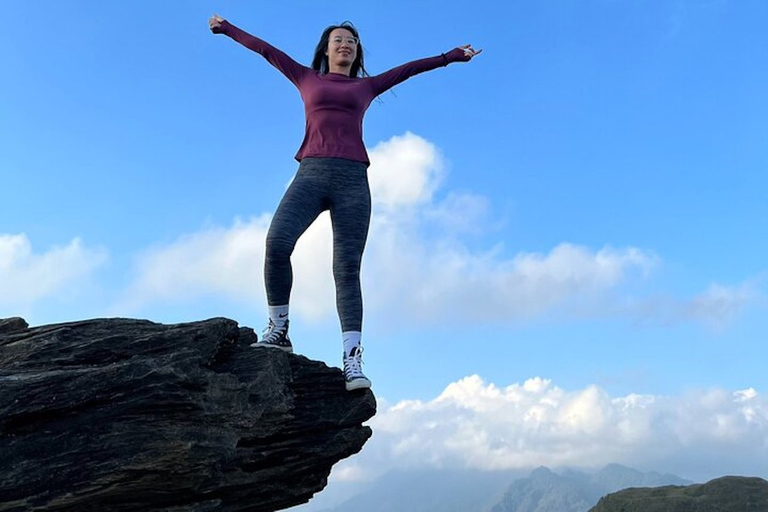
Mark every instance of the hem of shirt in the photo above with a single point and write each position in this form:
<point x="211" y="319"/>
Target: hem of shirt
<point x="300" y="157"/>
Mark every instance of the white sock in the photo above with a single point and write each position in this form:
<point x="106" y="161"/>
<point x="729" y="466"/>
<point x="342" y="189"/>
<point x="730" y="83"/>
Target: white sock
<point x="278" y="315"/>
<point x="350" y="339"/>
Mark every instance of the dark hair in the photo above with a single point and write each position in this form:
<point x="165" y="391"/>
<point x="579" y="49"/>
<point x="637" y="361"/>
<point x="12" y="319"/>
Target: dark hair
<point x="320" y="60"/>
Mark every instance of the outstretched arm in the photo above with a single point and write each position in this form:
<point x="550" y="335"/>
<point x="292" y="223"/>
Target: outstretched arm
<point x="285" y="64"/>
<point x="394" y="76"/>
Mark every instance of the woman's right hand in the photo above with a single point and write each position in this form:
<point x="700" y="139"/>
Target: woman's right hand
<point x="214" y="23"/>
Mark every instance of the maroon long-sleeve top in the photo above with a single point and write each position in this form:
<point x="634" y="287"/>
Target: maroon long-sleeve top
<point x="334" y="104"/>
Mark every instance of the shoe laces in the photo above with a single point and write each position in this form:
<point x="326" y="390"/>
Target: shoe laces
<point x="353" y="363"/>
<point x="272" y="333"/>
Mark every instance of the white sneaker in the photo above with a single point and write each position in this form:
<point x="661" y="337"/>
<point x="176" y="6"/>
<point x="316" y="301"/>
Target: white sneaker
<point x="275" y="337"/>
<point x="353" y="372"/>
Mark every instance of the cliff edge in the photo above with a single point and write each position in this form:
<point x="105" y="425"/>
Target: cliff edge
<point x="124" y="414"/>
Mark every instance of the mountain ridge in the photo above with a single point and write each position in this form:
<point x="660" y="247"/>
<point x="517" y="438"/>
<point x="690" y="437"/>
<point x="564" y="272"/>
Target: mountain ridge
<point x="537" y="490"/>
<point x="724" y="494"/>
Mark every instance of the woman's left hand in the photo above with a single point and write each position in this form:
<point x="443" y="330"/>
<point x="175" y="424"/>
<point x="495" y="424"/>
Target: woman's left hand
<point x="470" y="52"/>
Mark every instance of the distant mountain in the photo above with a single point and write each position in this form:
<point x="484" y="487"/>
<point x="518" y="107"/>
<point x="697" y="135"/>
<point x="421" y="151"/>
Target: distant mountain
<point x="545" y="491"/>
<point x="481" y="491"/>
<point x="574" y="491"/>
<point x="726" y="494"/>
<point x="615" y="476"/>
<point x="431" y="491"/>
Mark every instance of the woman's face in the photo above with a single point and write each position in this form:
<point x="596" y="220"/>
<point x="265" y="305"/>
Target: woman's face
<point x="342" y="47"/>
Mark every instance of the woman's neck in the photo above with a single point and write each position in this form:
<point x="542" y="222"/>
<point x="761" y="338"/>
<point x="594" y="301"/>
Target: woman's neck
<point x="341" y="70"/>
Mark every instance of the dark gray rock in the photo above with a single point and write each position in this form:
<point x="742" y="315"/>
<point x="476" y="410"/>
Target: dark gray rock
<point x="12" y="325"/>
<point x="122" y="414"/>
<point x="726" y="494"/>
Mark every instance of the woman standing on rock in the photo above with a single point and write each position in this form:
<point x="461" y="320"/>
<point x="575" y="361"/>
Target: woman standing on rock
<point x="332" y="173"/>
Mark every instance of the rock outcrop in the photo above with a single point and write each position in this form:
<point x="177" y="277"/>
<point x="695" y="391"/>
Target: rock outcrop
<point x="122" y="414"/>
<point x="726" y="494"/>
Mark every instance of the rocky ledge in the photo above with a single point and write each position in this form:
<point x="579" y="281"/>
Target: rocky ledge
<point x="123" y="414"/>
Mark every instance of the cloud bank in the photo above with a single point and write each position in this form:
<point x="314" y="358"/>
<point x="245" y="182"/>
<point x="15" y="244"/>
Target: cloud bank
<point x="478" y="425"/>
<point x="417" y="265"/>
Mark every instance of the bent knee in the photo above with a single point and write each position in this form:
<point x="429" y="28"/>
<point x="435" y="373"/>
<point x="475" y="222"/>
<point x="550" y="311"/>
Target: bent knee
<point x="279" y="247"/>
<point x="346" y="271"/>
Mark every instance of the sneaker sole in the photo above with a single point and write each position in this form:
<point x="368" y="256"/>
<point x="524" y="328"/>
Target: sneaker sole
<point x="278" y="347"/>
<point x="358" y="384"/>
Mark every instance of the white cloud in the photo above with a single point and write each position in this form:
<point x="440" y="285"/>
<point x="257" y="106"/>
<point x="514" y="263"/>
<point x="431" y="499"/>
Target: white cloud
<point x="462" y="213"/>
<point x="474" y="424"/>
<point x="26" y="276"/>
<point x="437" y="281"/>
<point x="410" y="273"/>
<point x="716" y="307"/>
<point x="229" y="262"/>
<point x="404" y="171"/>
<point x="216" y="260"/>
<point x="720" y="304"/>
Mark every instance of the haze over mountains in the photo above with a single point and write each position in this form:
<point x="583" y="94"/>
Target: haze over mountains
<point x="541" y="490"/>
<point x="575" y="491"/>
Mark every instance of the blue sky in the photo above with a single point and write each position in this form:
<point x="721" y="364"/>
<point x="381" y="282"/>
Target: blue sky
<point x="584" y="203"/>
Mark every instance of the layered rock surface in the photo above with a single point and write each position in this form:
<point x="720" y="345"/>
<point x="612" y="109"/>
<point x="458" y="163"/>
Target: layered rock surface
<point x="123" y="414"/>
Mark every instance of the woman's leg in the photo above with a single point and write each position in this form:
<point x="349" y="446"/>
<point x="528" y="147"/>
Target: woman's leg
<point x="350" y="216"/>
<point x="302" y="203"/>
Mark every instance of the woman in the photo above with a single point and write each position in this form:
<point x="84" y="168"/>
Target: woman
<point x="332" y="174"/>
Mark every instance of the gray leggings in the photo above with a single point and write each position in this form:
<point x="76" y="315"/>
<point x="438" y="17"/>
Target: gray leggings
<point x="334" y="184"/>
